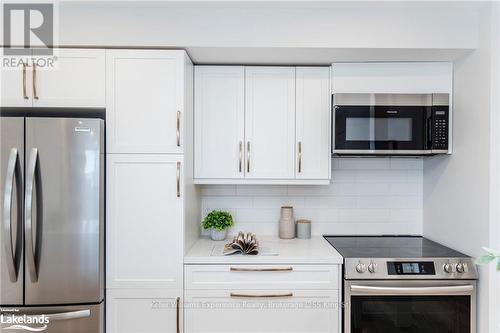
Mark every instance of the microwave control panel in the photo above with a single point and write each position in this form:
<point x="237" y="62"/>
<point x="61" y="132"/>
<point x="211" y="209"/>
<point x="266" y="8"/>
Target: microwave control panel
<point x="440" y="124"/>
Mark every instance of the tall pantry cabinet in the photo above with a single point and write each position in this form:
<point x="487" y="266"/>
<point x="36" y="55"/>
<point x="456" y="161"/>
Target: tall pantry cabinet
<point x="149" y="181"/>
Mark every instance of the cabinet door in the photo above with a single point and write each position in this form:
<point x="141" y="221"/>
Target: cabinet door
<point x="270" y="122"/>
<point x="143" y="311"/>
<point x="313" y="123"/>
<point x="241" y="311"/>
<point x="219" y="121"/>
<point x="144" y="101"/>
<point x="15" y="84"/>
<point x="144" y="221"/>
<point x="76" y="80"/>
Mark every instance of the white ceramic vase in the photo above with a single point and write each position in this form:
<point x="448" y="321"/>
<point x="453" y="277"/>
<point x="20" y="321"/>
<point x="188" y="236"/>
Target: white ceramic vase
<point x="287" y="223"/>
<point x="217" y="235"/>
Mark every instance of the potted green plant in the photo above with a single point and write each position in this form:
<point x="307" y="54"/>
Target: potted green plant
<point x="218" y="222"/>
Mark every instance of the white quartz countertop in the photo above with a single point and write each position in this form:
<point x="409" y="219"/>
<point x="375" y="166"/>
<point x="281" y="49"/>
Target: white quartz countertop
<point x="291" y="251"/>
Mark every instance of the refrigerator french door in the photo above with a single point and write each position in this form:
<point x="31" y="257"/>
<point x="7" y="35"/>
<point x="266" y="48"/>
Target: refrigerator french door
<point x="52" y="230"/>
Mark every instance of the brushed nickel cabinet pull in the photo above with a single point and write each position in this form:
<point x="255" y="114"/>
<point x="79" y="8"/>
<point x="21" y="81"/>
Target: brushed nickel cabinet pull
<point x="248" y="156"/>
<point x="178" y="179"/>
<point x="238" y="295"/>
<point x="240" y="164"/>
<point x="178" y="128"/>
<point x="25" y="95"/>
<point x="178" y="314"/>
<point x="270" y="269"/>
<point x="35" y="95"/>
<point x="300" y="156"/>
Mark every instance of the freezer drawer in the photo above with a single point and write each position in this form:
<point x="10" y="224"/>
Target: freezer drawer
<point x="63" y="319"/>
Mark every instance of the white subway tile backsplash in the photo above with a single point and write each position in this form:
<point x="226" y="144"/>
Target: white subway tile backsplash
<point x="214" y="190"/>
<point x="365" y="196"/>
<point x="257" y="190"/>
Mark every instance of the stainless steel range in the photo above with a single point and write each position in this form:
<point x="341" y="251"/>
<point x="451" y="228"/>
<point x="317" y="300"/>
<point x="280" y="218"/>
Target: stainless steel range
<point x="405" y="284"/>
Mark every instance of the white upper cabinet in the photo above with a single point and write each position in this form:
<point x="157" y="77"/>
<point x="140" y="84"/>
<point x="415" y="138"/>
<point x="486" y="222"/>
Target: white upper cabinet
<point x="313" y="127"/>
<point x="270" y="122"/>
<point x="145" y="100"/>
<point x="395" y="77"/>
<point x="262" y="125"/>
<point x="144" y="221"/>
<point x="77" y="80"/>
<point x="219" y="121"/>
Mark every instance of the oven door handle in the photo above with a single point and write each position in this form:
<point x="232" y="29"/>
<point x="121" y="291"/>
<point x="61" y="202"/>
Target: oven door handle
<point x="412" y="290"/>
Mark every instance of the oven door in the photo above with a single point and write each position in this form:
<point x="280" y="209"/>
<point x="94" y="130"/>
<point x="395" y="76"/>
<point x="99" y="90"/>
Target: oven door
<point x="375" y="129"/>
<point x="409" y="306"/>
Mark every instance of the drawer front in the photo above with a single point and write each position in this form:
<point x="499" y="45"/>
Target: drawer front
<point x="295" y="311"/>
<point x="236" y="277"/>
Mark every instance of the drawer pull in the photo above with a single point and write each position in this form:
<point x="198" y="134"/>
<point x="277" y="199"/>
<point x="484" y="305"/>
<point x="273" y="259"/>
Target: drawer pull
<point x="237" y="295"/>
<point x="238" y="269"/>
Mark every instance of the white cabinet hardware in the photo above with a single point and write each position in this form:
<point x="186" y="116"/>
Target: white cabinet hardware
<point x="178" y="179"/>
<point x="261" y="269"/>
<point x="25" y="96"/>
<point x="277" y="295"/>
<point x="178" y="127"/>
<point x="35" y="95"/>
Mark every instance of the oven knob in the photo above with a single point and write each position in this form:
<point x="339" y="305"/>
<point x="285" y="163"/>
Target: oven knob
<point x="360" y="268"/>
<point x="372" y="268"/>
<point x="462" y="268"/>
<point x="448" y="268"/>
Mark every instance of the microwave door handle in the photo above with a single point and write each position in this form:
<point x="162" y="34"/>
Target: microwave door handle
<point x="429" y="133"/>
<point x="412" y="290"/>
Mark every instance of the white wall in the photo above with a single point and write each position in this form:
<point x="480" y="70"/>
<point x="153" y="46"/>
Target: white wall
<point x="457" y="198"/>
<point x="281" y="25"/>
<point x="494" y="287"/>
<point x="366" y="196"/>
<point x="278" y="32"/>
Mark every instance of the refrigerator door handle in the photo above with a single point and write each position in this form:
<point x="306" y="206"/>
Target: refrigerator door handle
<point x="28" y="205"/>
<point x="13" y="171"/>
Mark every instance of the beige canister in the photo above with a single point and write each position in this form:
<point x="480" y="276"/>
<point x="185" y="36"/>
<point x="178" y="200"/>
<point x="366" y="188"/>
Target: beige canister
<point x="287" y="223"/>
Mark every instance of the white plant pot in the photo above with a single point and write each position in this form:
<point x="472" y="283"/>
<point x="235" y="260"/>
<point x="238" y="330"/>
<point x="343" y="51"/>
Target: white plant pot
<point x="217" y="235"/>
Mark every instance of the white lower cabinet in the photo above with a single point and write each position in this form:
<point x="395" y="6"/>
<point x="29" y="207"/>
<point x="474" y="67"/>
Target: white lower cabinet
<point x="262" y="311"/>
<point x="262" y="298"/>
<point x="144" y="221"/>
<point x="143" y="311"/>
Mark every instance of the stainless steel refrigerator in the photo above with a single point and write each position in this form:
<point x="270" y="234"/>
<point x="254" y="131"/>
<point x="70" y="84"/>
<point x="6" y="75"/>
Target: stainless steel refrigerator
<point x="52" y="222"/>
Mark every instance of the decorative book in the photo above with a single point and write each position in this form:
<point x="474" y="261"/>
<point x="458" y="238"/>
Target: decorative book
<point x="244" y="243"/>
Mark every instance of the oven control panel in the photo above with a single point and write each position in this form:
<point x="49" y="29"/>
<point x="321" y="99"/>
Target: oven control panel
<point x="414" y="268"/>
<point x="411" y="268"/>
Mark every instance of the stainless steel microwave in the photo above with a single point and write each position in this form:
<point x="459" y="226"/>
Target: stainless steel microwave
<point x="391" y="124"/>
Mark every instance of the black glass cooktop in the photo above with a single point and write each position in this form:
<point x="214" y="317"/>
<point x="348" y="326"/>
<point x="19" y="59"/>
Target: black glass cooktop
<point x="390" y="247"/>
